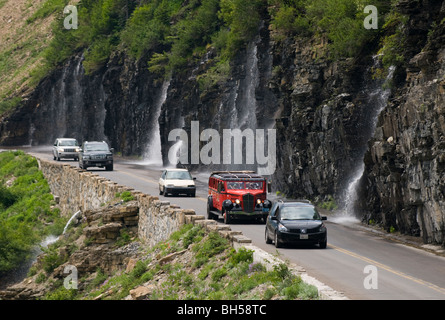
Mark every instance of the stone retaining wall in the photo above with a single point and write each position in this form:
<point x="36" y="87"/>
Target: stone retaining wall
<point x="78" y="189"/>
<point x="81" y="190"/>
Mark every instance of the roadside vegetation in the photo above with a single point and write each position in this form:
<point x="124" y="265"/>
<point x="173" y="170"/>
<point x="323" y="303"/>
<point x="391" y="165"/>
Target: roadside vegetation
<point x="192" y="264"/>
<point x="27" y="214"/>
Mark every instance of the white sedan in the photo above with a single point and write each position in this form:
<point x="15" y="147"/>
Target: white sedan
<point x="177" y="181"/>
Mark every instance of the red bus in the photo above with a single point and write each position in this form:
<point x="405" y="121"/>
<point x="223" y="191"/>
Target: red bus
<point x="238" y="195"/>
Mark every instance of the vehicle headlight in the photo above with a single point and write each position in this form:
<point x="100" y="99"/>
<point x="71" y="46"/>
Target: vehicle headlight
<point x="258" y="201"/>
<point x="282" y="228"/>
<point x="77" y="149"/>
<point x="237" y="201"/>
<point x="86" y="157"/>
<point x="322" y="228"/>
<point x="61" y="150"/>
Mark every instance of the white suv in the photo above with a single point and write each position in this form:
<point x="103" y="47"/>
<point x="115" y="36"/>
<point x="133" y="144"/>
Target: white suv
<point x="66" y="148"/>
<point x="177" y="181"/>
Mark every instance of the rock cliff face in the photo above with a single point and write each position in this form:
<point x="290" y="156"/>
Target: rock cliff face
<point x="324" y="112"/>
<point x="403" y="185"/>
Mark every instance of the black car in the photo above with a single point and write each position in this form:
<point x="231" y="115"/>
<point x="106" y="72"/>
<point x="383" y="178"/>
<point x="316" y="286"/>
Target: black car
<point x="96" y="154"/>
<point x="295" y="222"/>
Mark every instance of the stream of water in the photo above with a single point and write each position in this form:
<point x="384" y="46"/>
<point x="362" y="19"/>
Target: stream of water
<point x="378" y="95"/>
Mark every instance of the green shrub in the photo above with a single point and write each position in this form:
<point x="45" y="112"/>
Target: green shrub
<point x="8" y="104"/>
<point x="25" y="209"/>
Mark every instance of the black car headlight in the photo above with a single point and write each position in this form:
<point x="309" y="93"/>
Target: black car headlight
<point x="282" y="228"/>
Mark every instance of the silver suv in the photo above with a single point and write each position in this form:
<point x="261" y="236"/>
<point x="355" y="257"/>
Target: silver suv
<point x="96" y="154"/>
<point x="66" y="148"/>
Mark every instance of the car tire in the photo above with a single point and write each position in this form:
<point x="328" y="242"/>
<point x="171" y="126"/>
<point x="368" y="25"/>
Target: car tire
<point x="277" y="241"/>
<point x="160" y="191"/>
<point x="109" y="168"/>
<point x="323" y="244"/>
<point x="209" y="215"/>
<point x="226" y="216"/>
<point x="266" y="236"/>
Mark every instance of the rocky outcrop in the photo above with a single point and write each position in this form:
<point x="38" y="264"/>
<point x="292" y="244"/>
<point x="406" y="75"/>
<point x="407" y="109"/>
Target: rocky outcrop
<point x="403" y="186"/>
<point x="97" y="249"/>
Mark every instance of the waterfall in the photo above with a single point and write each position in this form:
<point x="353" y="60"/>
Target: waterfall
<point x="153" y="153"/>
<point x="377" y="99"/>
<point x="248" y="104"/>
<point x="69" y="221"/>
<point x="242" y="104"/>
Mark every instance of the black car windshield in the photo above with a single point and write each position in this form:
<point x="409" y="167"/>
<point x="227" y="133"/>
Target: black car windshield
<point x="178" y="175"/>
<point x="96" y="147"/>
<point x="299" y="213"/>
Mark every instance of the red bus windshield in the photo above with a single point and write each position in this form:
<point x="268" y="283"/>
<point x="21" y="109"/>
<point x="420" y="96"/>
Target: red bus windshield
<point x="250" y="185"/>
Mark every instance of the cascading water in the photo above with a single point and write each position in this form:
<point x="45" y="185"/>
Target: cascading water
<point x="247" y="105"/>
<point x="153" y="153"/>
<point x="377" y="99"/>
<point x="70" y="220"/>
<point x="242" y="103"/>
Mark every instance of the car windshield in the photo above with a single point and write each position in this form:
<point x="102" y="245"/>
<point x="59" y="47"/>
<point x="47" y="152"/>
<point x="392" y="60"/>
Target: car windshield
<point x="250" y="185"/>
<point x="68" y="143"/>
<point x="299" y="213"/>
<point x="235" y="185"/>
<point x="255" y="185"/>
<point x="96" y="147"/>
<point x="178" y="175"/>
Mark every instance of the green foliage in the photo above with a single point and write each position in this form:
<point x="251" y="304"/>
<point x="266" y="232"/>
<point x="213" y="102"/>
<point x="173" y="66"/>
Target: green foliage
<point x="25" y="208"/>
<point x="392" y="44"/>
<point x="62" y="294"/>
<point x="242" y="19"/>
<point x="214" y="76"/>
<point x="289" y="18"/>
<point x="341" y="21"/>
<point x="47" y="8"/>
<point x="149" y="27"/>
<point x="329" y="204"/>
<point x="242" y="255"/>
<point x="9" y="104"/>
<point x="125" y="196"/>
<point x="212" y="245"/>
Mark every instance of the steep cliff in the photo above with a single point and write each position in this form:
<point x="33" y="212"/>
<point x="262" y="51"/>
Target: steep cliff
<point x="323" y="106"/>
<point x="403" y="185"/>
